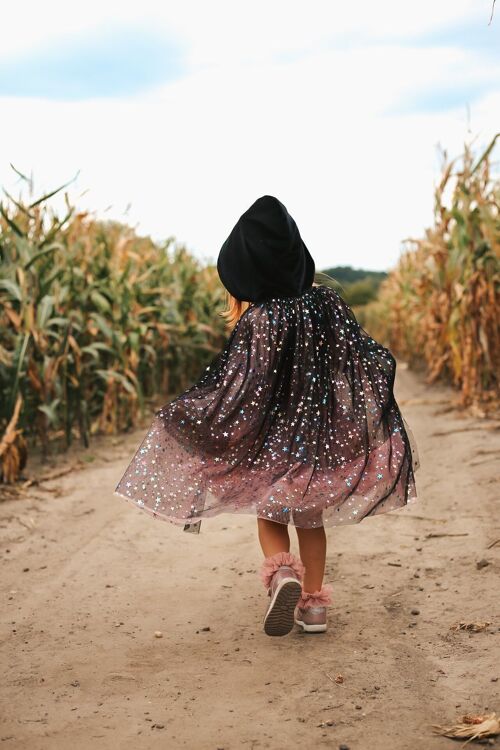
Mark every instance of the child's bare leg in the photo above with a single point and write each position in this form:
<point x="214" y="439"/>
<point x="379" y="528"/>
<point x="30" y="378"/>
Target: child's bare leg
<point x="312" y="545"/>
<point x="273" y="537"/>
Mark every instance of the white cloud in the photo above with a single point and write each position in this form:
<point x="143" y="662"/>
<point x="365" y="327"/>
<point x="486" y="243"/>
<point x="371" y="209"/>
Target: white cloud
<point x="222" y="29"/>
<point x="193" y="155"/>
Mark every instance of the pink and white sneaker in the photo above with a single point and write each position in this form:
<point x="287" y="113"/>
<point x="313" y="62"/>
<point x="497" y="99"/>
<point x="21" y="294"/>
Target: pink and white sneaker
<point x="282" y="575"/>
<point x="310" y="613"/>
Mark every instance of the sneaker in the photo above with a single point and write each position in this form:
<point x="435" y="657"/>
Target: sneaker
<point x="310" y="612"/>
<point x="285" y="591"/>
<point x="312" y="619"/>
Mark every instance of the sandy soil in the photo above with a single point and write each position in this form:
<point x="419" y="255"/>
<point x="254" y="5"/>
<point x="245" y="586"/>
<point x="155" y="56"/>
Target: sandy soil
<point x="88" y="579"/>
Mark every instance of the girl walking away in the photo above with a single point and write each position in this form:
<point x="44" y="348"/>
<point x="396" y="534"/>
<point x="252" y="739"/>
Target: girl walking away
<point x="294" y="421"/>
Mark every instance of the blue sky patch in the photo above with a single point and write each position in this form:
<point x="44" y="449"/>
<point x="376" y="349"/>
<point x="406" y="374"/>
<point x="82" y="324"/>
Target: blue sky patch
<point x="482" y="38"/>
<point x="440" y="98"/>
<point x="103" y="63"/>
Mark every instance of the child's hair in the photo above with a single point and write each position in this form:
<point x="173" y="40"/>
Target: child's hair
<point x="236" y="307"/>
<point x="234" y="310"/>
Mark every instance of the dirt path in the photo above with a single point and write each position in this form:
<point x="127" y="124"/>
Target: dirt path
<point x="88" y="579"/>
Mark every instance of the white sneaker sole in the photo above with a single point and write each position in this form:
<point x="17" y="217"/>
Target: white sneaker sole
<point x="279" y="617"/>
<point x="311" y="628"/>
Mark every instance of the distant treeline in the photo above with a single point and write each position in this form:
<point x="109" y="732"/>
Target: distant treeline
<point x="357" y="285"/>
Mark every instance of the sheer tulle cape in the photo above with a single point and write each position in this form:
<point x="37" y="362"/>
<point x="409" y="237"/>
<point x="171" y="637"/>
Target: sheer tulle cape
<point x="295" y="421"/>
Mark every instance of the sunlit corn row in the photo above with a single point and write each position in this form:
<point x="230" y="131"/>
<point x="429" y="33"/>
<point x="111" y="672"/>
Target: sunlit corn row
<point x="439" y="308"/>
<point x="95" y="321"/>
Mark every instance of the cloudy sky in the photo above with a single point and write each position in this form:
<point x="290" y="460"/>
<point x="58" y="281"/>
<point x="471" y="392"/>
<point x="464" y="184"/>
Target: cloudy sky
<point x="179" y="115"/>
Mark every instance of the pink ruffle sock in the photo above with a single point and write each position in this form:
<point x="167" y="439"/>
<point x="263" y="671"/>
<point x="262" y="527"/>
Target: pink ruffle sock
<point x="321" y="598"/>
<point x="273" y="562"/>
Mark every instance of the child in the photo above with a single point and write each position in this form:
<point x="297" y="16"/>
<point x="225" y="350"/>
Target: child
<point x="294" y="421"/>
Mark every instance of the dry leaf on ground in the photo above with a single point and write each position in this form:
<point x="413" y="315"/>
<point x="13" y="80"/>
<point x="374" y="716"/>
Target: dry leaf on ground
<point x="471" y="727"/>
<point x="475" y="627"/>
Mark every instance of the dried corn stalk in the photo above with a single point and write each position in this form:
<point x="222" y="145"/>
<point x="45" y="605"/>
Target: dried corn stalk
<point x="471" y="727"/>
<point x="12" y="448"/>
<point x="475" y="627"/>
<point x="440" y="307"/>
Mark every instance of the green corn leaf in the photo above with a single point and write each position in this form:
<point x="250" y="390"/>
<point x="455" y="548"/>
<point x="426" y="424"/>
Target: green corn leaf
<point x="103" y="325"/>
<point x="40" y="254"/>
<point x="53" y="192"/>
<point x="20" y="174"/>
<point x="18" y="205"/>
<point x="11" y="223"/>
<point x="12" y="288"/>
<point x="486" y="153"/>
<point x="96" y="347"/>
<point x="100" y="301"/>
<point x="110" y="375"/>
<point x="57" y="226"/>
<point x="50" y="410"/>
<point x="44" y="310"/>
<point x="18" y="363"/>
<point x="62" y="322"/>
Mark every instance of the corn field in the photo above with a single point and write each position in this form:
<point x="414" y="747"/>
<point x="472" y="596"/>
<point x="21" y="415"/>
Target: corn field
<point x="94" y="322"/>
<point x="439" y="308"/>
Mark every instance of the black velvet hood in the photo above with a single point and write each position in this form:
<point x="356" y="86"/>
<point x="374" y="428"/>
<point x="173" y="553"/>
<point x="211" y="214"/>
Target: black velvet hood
<point x="265" y="257"/>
